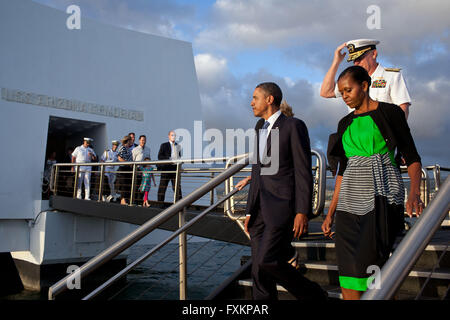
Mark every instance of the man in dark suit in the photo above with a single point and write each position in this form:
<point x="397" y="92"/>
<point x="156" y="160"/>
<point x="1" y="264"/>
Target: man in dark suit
<point x="168" y="151"/>
<point x="280" y="200"/>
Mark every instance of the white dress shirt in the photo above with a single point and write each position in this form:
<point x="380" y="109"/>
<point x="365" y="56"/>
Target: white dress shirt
<point x="139" y="153"/>
<point x="175" y="148"/>
<point x="264" y="133"/>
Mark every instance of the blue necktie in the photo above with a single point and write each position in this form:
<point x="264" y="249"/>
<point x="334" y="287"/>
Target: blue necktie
<point x="263" y="134"/>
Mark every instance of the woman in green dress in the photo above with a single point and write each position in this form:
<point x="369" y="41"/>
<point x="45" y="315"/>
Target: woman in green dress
<point x="146" y="183"/>
<point x="368" y="200"/>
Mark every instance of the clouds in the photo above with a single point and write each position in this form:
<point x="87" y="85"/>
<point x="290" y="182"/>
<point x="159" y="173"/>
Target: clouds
<point x="414" y="36"/>
<point x="238" y="44"/>
<point x="307" y="32"/>
<point x="212" y="72"/>
<point x="220" y="93"/>
<point x="236" y="25"/>
<point x="226" y="98"/>
<point x="158" y="17"/>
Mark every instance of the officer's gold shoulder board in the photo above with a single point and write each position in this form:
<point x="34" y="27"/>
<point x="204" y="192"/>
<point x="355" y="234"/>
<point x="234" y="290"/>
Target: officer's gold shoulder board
<point x="393" y="69"/>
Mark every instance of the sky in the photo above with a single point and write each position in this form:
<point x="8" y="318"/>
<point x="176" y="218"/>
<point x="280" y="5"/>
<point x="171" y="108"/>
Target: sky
<point x="238" y="44"/>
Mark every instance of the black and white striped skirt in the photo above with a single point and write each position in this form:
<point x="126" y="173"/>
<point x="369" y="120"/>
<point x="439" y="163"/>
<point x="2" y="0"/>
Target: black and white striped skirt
<point x="369" y="216"/>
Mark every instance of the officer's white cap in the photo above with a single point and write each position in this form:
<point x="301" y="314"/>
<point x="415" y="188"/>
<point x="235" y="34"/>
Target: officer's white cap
<point x="356" y="48"/>
<point x="117" y="142"/>
<point x="88" y="139"/>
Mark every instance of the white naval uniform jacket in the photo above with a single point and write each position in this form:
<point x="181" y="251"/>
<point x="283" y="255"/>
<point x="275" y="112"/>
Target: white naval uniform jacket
<point x="110" y="156"/>
<point x="81" y="155"/>
<point x="387" y="86"/>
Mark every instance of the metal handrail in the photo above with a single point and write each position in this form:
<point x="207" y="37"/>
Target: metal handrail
<point x="437" y="174"/>
<point x="320" y="193"/>
<point x="145" y="229"/>
<point x="411" y="247"/>
<point x="155" y="162"/>
<point x="135" y="164"/>
<point x="427" y="186"/>
<point x="58" y="168"/>
<point x="230" y="201"/>
<point x="144" y="257"/>
<point x="437" y="177"/>
<point x="425" y="180"/>
<point x="321" y="174"/>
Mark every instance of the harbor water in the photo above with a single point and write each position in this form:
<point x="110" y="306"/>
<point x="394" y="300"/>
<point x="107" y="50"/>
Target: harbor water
<point x="210" y="262"/>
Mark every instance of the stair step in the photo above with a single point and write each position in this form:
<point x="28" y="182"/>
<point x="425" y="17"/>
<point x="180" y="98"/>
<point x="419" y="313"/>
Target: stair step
<point x="439" y="273"/>
<point x="318" y="263"/>
<point x="325" y="251"/>
<point x="327" y="276"/>
<point x="332" y="245"/>
<point x="333" y="291"/>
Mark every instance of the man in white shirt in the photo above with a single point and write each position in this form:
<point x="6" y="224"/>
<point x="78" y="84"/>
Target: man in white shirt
<point x="84" y="154"/>
<point x="387" y="85"/>
<point x="141" y="151"/>
<point x="110" y="171"/>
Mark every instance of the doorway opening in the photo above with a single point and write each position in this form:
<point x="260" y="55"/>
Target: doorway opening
<point x="64" y="135"/>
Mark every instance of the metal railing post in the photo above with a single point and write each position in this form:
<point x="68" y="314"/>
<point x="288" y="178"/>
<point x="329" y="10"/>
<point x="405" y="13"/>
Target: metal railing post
<point x="229" y="204"/>
<point x="75" y="182"/>
<point x="211" y="194"/>
<point x="437" y="177"/>
<point x="321" y="174"/>
<point x="133" y="182"/>
<point x="181" y="238"/>
<point x="411" y="247"/>
<point x="55" y="183"/>
<point x="426" y="187"/>
<point x="232" y="202"/>
<point x="100" y="188"/>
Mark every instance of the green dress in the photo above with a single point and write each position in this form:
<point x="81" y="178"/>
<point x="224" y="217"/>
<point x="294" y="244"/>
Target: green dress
<point x="370" y="207"/>
<point x="146" y="182"/>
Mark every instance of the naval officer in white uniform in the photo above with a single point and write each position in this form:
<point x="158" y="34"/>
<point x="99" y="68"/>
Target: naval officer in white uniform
<point x="387" y="85"/>
<point x="84" y="154"/>
<point x="110" y="171"/>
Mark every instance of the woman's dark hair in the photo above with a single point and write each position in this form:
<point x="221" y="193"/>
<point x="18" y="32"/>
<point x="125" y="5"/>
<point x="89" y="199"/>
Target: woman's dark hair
<point x="358" y="74"/>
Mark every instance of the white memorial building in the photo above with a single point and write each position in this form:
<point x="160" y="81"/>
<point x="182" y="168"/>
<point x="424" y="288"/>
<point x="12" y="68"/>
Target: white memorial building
<point x="59" y="85"/>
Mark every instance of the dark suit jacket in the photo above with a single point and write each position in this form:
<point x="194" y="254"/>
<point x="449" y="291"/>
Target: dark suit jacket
<point x="165" y="151"/>
<point x="289" y="191"/>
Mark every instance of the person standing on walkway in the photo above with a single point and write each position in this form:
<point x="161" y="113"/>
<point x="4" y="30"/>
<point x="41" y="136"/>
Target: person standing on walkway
<point x="125" y="171"/>
<point x="368" y="199"/>
<point x="170" y="150"/>
<point x="110" y="171"/>
<point x="146" y="184"/>
<point x="84" y="154"/>
<point x="279" y="201"/>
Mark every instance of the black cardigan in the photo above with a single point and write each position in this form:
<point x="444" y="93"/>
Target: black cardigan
<point x="392" y="124"/>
